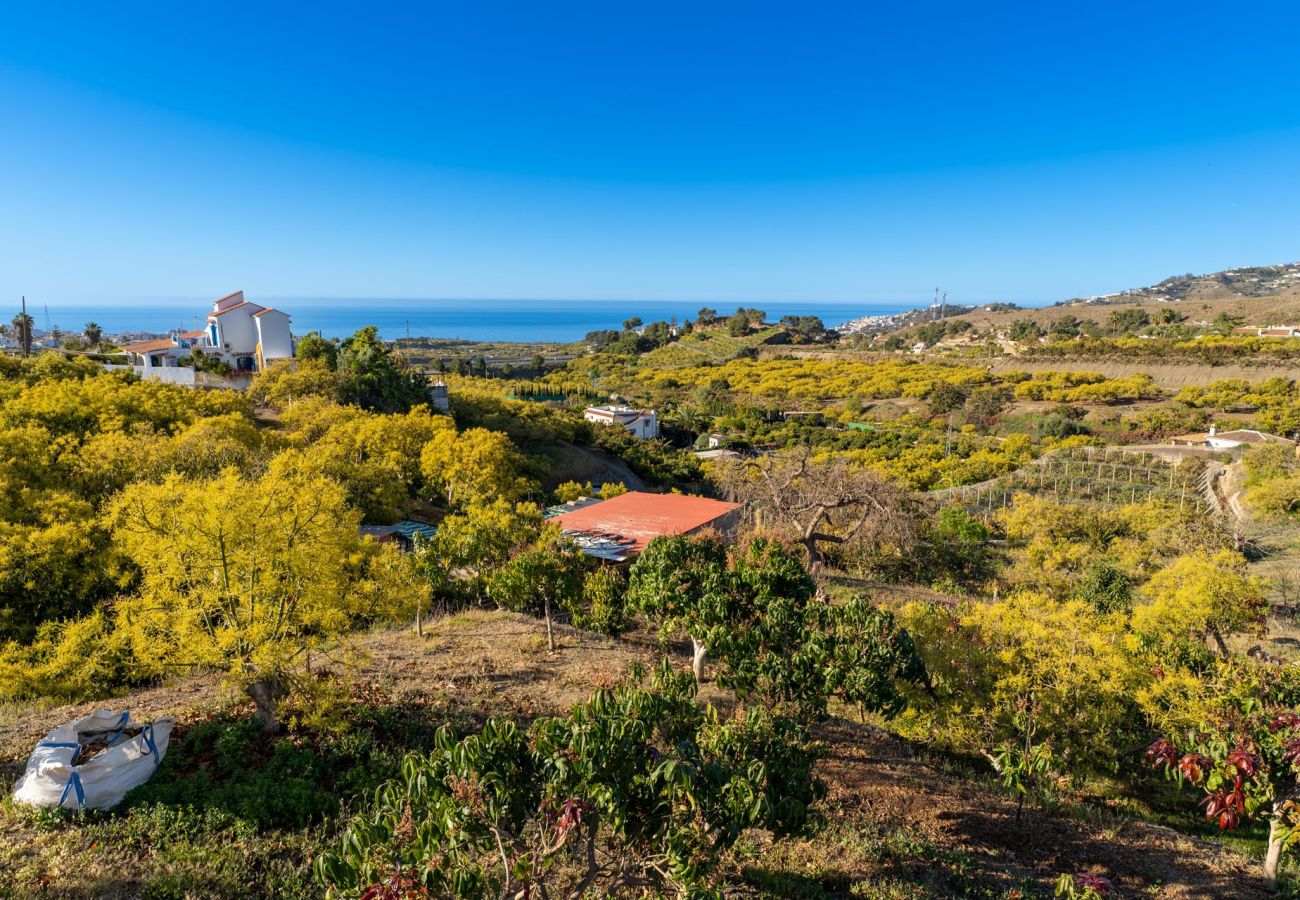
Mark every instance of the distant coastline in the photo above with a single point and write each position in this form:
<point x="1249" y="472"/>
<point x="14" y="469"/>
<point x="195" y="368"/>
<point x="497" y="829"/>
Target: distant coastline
<point x="551" y="321"/>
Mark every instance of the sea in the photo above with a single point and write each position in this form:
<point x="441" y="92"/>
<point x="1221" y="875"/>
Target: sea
<point x="555" y="321"/>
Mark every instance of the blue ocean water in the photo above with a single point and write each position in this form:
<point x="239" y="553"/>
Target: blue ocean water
<point x="481" y="320"/>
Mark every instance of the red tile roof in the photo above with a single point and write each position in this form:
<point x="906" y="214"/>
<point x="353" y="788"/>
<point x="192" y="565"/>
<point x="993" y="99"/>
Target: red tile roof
<point x="149" y="346"/>
<point x="639" y="516"/>
<point x="222" y="312"/>
<point x="267" y="310"/>
<point x="232" y="295"/>
<point x="192" y="334"/>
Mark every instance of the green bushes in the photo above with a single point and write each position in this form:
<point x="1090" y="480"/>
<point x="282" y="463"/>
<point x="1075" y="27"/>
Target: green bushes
<point x="640" y="784"/>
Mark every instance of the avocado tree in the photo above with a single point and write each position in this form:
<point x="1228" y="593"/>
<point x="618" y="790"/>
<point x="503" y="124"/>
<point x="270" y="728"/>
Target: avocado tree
<point x="639" y="789"/>
<point x="541" y="577"/>
<point x="775" y="640"/>
<point x="680" y="584"/>
<point x="1244" y="757"/>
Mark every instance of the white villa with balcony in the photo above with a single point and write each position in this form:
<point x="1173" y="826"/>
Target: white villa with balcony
<point x="643" y="423"/>
<point x="245" y="336"/>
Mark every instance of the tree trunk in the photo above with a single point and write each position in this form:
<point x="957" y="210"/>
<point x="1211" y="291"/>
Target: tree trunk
<point x="1274" y="855"/>
<point x="810" y="547"/>
<point x="266" y="696"/>
<point x="550" y="633"/>
<point x="419" y="621"/>
<point x="698" y="652"/>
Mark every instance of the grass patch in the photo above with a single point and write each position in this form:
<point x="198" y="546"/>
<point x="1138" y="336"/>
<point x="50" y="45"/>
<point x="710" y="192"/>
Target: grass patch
<point x="231" y="810"/>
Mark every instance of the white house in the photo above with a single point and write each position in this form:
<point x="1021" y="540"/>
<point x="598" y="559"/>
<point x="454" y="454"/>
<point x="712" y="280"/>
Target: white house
<point x="247" y="336"/>
<point x="643" y="423"/>
<point x="163" y="353"/>
<point x="1228" y="440"/>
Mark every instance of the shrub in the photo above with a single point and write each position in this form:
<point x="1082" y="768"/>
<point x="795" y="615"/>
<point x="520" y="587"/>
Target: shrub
<point x="640" y="782"/>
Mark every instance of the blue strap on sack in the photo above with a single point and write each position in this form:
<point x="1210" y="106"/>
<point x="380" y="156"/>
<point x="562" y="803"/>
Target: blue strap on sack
<point x="121" y="726"/>
<point x="147" y="733"/>
<point x="74" y="783"/>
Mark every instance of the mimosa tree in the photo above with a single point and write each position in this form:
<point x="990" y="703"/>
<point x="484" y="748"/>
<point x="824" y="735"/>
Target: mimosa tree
<point x="247" y="575"/>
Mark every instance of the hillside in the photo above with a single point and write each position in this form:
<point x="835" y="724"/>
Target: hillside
<point x="710" y="347"/>
<point x="1260" y="295"/>
<point x="896" y="822"/>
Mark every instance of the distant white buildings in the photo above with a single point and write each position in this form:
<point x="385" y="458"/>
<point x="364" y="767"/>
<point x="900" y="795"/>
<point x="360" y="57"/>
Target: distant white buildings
<point x="245" y="336"/>
<point x="1273" y="331"/>
<point x="643" y="423"/>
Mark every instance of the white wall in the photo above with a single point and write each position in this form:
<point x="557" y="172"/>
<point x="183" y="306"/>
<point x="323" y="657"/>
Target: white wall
<point x="273" y="334"/>
<point x="184" y="376"/>
<point x="238" y="330"/>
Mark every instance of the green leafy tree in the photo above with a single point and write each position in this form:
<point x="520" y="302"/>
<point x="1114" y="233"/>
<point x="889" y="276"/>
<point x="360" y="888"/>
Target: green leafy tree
<point x="681" y="585"/>
<point x="314" y="348"/>
<point x="92" y="333"/>
<point x="1106" y="588"/>
<point x="1127" y="321"/>
<point x="944" y="398"/>
<point x="544" y="577"/>
<point x="373" y="378"/>
<point x="1024" y="330"/>
<point x="638" y="788"/>
<point x="773" y="638"/>
<point x="604" y="606"/>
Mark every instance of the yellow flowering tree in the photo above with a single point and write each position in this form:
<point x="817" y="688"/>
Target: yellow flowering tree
<point x="246" y="575"/>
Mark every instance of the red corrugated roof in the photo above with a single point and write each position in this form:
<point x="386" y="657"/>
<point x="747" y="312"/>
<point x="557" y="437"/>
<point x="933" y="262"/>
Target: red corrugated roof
<point x="639" y="516"/>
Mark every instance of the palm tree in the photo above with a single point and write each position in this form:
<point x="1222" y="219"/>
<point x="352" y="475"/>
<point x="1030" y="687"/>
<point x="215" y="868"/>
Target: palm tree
<point x="23" y="324"/>
<point x="93" y="334"/>
<point x="689" y="419"/>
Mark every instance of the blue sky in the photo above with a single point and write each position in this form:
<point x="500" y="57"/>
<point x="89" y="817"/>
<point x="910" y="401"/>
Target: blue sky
<point x="713" y="150"/>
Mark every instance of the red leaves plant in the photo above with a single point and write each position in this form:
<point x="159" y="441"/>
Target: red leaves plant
<point x="1288" y="720"/>
<point x="1194" y="766"/>
<point x="1225" y="806"/>
<point x="1162" y="754"/>
<point x="1245" y="762"/>
<point x="1098" y="884"/>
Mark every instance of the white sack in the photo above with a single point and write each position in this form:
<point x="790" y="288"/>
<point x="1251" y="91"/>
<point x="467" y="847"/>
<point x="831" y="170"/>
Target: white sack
<point x="54" y="779"/>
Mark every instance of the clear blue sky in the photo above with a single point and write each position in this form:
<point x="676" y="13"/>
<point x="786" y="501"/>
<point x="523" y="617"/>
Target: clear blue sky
<point x="726" y="151"/>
